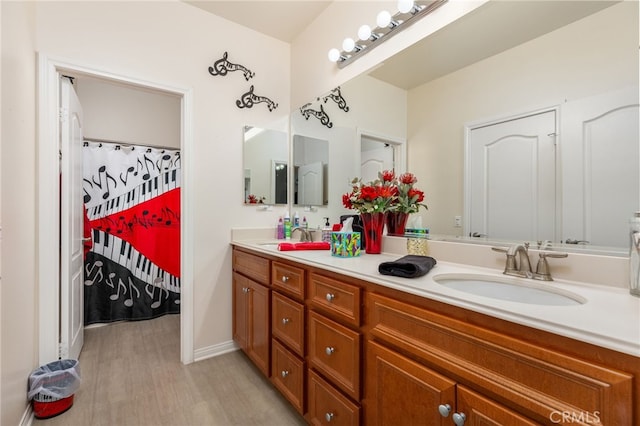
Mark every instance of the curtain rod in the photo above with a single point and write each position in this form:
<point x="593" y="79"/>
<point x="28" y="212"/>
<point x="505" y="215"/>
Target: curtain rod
<point x="127" y="144"/>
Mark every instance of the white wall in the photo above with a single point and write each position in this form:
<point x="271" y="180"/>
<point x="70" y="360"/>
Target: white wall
<point x="18" y="176"/>
<point x="541" y="73"/>
<point x="123" y="113"/>
<point x="169" y="43"/>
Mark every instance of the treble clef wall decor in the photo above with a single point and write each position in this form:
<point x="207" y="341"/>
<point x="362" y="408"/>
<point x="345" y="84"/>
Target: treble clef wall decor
<point x="223" y="66"/>
<point x="321" y="115"/>
<point x="248" y="99"/>
<point x="336" y="96"/>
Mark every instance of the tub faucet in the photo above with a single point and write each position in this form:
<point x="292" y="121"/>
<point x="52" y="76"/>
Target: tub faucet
<point x="305" y="234"/>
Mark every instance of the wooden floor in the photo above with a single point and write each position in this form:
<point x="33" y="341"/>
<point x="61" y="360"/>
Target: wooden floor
<point x="132" y="375"/>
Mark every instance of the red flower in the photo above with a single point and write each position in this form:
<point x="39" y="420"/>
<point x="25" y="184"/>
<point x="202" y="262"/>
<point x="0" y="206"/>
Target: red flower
<point x="416" y="192"/>
<point x="385" y="191"/>
<point x="368" y="193"/>
<point x="388" y="176"/>
<point x="408" y="178"/>
<point x="346" y="201"/>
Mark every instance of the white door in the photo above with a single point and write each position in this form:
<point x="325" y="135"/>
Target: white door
<point x="310" y="178"/>
<point x="375" y="157"/>
<point x="510" y="187"/>
<point x="71" y="224"/>
<point x="601" y="167"/>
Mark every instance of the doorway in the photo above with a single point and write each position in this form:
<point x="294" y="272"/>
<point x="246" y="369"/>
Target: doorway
<point x="379" y="153"/>
<point x="49" y="71"/>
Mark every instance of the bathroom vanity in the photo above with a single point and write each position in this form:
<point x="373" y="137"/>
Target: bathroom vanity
<point x="346" y="345"/>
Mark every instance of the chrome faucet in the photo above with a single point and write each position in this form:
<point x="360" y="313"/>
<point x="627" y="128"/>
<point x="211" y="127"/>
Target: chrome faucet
<point x="305" y="234"/>
<point x="522" y="266"/>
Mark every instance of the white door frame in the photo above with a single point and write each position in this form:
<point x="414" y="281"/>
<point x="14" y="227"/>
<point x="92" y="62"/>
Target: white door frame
<point x="399" y="149"/>
<point x="48" y="203"/>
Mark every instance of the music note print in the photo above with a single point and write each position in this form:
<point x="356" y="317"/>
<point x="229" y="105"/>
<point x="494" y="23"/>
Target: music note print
<point x="116" y="296"/>
<point x="129" y="302"/>
<point x="159" y="284"/>
<point x="126" y="176"/>
<point x="97" y="264"/>
<point x="103" y="170"/>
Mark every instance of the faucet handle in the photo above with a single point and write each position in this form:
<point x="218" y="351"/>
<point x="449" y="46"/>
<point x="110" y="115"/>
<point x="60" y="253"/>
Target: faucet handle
<point x="499" y="249"/>
<point x="542" y="269"/>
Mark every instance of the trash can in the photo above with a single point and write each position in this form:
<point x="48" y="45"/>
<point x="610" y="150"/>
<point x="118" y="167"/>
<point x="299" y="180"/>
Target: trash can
<point x="52" y="386"/>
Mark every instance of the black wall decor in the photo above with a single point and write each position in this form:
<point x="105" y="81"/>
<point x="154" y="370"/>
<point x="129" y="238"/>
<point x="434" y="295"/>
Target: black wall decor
<point x="223" y="66"/>
<point x="248" y="99"/>
<point x="321" y="115"/>
<point x="336" y="96"/>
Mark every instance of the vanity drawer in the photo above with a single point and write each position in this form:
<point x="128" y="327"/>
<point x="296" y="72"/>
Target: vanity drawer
<point x="288" y="279"/>
<point x="329" y="406"/>
<point x="252" y="266"/>
<point x="338" y="299"/>
<point x="288" y="375"/>
<point x="287" y="322"/>
<point x="335" y="351"/>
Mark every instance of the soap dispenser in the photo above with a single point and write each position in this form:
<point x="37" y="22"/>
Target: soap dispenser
<point x="326" y="231"/>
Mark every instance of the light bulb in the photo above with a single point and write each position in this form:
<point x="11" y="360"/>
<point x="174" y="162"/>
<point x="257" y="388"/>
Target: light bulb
<point x="405" y="6"/>
<point x="364" y="32"/>
<point x="334" y="55"/>
<point x="384" y="19"/>
<point x="348" y="44"/>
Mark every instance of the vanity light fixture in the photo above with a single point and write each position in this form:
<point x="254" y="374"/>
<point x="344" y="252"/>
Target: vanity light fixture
<point x="387" y="26"/>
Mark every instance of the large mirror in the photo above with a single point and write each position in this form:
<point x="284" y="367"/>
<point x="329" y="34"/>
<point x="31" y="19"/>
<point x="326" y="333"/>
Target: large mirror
<point x="506" y="61"/>
<point x="265" y="166"/>
<point x="310" y="171"/>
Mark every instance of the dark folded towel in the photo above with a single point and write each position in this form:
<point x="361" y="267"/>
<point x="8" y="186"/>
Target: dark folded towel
<point x="410" y="266"/>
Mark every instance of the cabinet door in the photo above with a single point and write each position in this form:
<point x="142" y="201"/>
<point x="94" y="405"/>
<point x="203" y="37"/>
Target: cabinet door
<point x="240" y="311"/>
<point x="481" y="411"/>
<point x="259" y="326"/>
<point x="402" y="392"/>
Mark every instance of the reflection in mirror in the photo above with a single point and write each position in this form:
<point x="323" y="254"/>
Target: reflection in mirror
<point x="311" y="164"/>
<point x="375" y="156"/>
<point x="478" y="73"/>
<point x="265" y="166"/>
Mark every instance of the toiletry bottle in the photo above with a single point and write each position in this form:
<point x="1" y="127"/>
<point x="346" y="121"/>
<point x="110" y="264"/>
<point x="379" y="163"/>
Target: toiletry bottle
<point x="287" y="226"/>
<point x="326" y="231"/>
<point x="634" y="254"/>
<point x="280" y="229"/>
<point x="305" y="224"/>
<point x="296" y="220"/>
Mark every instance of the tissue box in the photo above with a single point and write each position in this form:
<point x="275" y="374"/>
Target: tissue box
<point x="345" y="244"/>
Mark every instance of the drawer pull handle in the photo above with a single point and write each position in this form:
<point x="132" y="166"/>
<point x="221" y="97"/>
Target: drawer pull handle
<point x="329" y="350"/>
<point x="284" y="373"/>
<point x="459" y="419"/>
<point x="285" y="321"/>
<point x="285" y="278"/>
<point x="330" y="297"/>
<point x="444" y="410"/>
<point x="329" y="416"/>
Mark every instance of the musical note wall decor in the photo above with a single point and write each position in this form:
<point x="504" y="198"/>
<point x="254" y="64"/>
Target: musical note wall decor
<point x="222" y="67"/>
<point x="320" y="114"/>
<point x="336" y="96"/>
<point x="248" y="99"/>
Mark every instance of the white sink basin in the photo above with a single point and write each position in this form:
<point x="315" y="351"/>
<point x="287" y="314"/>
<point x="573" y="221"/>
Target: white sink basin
<point x="512" y="289"/>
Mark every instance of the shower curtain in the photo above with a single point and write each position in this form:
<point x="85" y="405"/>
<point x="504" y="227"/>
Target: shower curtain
<point x="132" y="209"/>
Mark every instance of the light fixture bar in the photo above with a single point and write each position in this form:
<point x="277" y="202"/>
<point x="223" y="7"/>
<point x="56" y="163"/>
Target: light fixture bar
<point x="398" y="22"/>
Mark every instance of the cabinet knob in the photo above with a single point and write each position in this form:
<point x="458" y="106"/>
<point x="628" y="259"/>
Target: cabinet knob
<point x="285" y="321"/>
<point x="245" y="289"/>
<point x="444" y="410"/>
<point x="459" y="418"/>
<point x="330" y="297"/>
<point x="329" y="350"/>
<point x="285" y="278"/>
<point x="329" y="416"/>
<point x="284" y="373"/>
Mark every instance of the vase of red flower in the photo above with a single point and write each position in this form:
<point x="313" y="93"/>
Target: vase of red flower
<point x="372" y="200"/>
<point x="408" y="199"/>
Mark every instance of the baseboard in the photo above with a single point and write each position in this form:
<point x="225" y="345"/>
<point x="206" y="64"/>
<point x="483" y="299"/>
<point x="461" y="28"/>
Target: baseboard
<point x="27" y="417"/>
<point x="215" y="350"/>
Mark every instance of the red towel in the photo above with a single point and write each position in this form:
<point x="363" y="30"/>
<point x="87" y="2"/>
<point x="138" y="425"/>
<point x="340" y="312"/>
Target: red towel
<point x="315" y="245"/>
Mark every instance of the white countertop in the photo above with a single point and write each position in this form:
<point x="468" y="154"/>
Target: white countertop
<point x="610" y="317"/>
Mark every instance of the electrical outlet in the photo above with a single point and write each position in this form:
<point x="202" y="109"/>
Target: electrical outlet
<point x="457" y="221"/>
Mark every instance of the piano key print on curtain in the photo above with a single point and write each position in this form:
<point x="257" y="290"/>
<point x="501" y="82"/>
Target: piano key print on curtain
<point x="132" y="208"/>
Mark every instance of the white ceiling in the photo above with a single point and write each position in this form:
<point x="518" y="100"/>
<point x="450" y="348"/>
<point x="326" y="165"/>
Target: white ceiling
<point x="283" y="20"/>
<point x="490" y="29"/>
